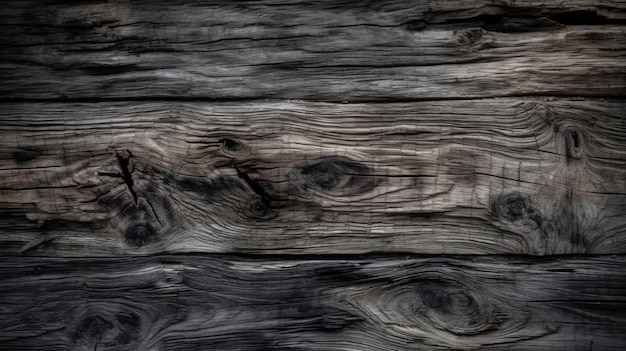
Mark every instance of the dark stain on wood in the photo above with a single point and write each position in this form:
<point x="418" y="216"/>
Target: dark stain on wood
<point x="208" y="188"/>
<point x="511" y="25"/>
<point x="25" y="155"/>
<point x="140" y="234"/>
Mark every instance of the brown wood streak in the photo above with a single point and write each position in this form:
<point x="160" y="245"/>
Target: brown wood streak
<point x="194" y="302"/>
<point x="533" y="176"/>
<point x="327" y="50"/>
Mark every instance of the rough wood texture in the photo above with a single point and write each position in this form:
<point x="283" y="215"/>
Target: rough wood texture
<point x="328" y="50"/>
<point x="466" y="177"/>
<point x="159" y="136"/>
<point x="199" y="303"/>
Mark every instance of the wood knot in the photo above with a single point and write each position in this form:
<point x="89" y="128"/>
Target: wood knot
<point x="140" y="235"/>
<point x="231" y="145"/>
<point x="514" y="208"/>
<point x="471" y="36"/>
<point x="106" y="328"/>
<point x="553" y="227"/>
<point x="259" y="208"/>
<point x="339" y="175"/>
<point x="94" y="328"/>
<point x="457" y="310"/>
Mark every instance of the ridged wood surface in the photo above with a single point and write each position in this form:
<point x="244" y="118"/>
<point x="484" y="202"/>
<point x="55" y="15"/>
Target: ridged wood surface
<point x="328" y="175"/>
<point x="327" y="50"/>
<point x="524" y="176"/>
<point x="199" y="303"/>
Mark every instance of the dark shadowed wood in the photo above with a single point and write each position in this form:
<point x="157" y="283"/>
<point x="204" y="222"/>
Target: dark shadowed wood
<point x="185" y="303"/>
<point x="535" y="176"/>
<point x="570" y="12"/>
<point x="328" y="50"/>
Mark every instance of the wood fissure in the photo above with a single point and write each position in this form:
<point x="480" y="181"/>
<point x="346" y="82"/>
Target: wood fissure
<point x="123" y="161"/>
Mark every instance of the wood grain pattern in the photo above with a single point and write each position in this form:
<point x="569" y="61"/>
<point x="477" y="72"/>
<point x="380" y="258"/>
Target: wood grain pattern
<point x="193" y="302"/>
<point x="161" y="189"/>
<point x="329" y="50"/>
<point x="531" y="176"/>
<point x="573" y="11"/>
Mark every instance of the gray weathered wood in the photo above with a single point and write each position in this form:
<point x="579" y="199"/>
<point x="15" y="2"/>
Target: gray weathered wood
<point x="231" y="224"/>
<point x="193" y="302"/>
<point x="574" y="11"/>
<point x="328" y="50"/>
<point x="534" y="176"/>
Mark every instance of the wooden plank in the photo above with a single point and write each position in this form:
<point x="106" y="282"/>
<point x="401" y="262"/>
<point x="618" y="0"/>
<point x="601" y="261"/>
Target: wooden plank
<point x="529" y="176"/>
<point x="571" y="11"/>
<point x="328" y="50"/>
<point x="196" y="302"/>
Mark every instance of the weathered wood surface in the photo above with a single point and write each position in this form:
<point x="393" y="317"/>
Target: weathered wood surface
<point x="327" y="50"/>
<point x="533" y="176"/>
<point x="200" y="303"/>
<point x="157" y="135"/>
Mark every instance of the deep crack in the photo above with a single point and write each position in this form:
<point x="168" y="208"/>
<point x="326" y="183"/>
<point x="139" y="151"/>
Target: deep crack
<point x="126" y="175"/>
<point x="256" y="187"/>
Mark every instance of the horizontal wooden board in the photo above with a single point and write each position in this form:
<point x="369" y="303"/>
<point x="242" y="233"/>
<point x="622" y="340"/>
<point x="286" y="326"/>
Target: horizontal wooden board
<point x="195" y="302"/>
<point x="526" y="176"/>
<point x="326" y="50"/>
<point x="571" y="11"/>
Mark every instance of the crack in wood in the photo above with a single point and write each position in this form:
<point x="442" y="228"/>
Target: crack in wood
<point x="123" y="160"/>
<point x="261" y="204"/>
